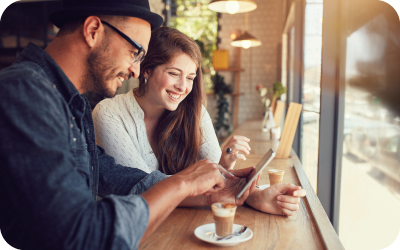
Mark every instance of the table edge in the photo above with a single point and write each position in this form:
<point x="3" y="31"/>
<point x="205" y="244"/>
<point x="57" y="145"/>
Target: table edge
<point x="327" y="233"/>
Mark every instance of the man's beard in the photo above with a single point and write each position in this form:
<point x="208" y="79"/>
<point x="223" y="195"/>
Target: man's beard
<point x="95" y="79"/>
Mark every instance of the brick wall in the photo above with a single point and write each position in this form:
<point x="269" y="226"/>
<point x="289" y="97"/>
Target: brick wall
<point x="261" y="64"/>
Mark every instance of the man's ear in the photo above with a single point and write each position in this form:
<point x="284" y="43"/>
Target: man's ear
<point x="92" y="30"/>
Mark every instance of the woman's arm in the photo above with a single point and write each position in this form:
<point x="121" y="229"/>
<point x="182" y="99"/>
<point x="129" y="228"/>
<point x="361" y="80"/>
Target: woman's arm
<point x="281" y="199"/>
<point x="210" y="149"/>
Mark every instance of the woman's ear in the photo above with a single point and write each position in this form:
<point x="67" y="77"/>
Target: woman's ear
<point x="147" y="73"/>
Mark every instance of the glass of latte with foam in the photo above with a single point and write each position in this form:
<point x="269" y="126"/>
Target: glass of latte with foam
<point x="275" y="176"/>
<point x="224" y="214"/>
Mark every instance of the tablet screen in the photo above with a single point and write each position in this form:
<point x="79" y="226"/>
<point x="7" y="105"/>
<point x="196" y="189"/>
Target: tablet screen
<point x="267" y="158"/>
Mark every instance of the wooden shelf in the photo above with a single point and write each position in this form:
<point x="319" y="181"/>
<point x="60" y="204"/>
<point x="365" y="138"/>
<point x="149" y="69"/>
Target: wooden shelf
<point x="235" y="84"/>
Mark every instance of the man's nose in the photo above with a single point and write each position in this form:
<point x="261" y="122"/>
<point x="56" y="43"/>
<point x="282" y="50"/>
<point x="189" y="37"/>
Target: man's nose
<point x="135" y="70"/>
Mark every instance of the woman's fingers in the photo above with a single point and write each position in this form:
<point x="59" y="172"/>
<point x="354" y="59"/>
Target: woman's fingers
<point x="236" y="141"/>
<point x="288" y="199"/>
<point x="238" y="148"/>
<point x="288" y="206"/>
<point x="240" y="137"/>
<point x="287" y="211"/>
<point x="240" y="157"/>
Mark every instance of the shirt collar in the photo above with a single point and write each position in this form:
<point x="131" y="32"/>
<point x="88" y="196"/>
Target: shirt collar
<point x="37" y="55"/>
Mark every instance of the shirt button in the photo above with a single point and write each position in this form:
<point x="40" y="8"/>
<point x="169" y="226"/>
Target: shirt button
<point x="73" y="118"/>
<point x="74" y="139"/>
<point x="54" y="86"/>
<point x="72" y="125"/>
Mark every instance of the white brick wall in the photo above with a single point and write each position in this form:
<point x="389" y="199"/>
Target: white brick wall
<point x="260" y="64"/>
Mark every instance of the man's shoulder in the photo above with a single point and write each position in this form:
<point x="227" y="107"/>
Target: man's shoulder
<point x="23" y="72"/>
<point x="20" y="67"/>
<point x="26" y="83"/>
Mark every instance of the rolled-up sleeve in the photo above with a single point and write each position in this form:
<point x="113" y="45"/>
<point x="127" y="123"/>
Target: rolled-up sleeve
<point x="130" y="221"/>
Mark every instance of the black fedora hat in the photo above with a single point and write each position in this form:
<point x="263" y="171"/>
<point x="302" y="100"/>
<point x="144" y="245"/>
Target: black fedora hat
<point x="73" y="9"/>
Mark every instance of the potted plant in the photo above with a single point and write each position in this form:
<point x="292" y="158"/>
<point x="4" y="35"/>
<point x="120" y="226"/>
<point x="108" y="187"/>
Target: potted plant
<point x="277" y="89"/>
<point x="268" y="118"/>
<point x="221" y="124"/>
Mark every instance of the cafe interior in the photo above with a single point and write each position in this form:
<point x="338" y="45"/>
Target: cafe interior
<point x="316" y="80"/>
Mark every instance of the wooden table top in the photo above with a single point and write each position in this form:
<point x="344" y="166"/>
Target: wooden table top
<point x="308" y="229"/>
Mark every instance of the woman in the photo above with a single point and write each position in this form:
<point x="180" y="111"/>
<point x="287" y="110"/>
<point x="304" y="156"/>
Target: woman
<point x="163" y="125"/>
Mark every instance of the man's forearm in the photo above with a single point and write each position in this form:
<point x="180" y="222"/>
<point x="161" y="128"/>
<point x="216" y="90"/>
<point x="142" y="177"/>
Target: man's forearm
<point x="162" y="199"/>
<point x="196" y="201"/>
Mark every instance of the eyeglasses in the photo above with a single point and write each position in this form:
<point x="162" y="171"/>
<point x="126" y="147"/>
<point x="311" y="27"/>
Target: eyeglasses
<point x="138" y="57"/>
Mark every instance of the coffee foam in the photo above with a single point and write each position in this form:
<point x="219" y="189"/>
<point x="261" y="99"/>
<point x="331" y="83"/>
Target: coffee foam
<point x="223" y="210"/>
<point x="275" y="171"/>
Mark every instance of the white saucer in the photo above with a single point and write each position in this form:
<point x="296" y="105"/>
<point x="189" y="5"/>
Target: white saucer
<point x="201" y="231"/>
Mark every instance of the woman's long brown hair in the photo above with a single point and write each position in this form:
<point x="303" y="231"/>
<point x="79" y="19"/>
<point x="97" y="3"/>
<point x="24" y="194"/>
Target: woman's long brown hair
<point x="178" y="133"/>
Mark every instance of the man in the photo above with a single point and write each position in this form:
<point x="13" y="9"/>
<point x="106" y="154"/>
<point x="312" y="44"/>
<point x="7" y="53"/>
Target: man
<point x="51" y="169"/>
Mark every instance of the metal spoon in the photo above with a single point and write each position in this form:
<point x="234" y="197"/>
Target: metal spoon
<point x="242" y="230"/>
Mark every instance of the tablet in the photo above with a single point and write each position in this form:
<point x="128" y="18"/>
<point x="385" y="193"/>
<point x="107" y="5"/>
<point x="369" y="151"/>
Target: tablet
<point x="260" y="166"/>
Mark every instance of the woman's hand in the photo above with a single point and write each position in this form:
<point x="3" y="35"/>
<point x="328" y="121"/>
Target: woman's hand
<point x="239" y="147"/>
<point x="281" y="199"/>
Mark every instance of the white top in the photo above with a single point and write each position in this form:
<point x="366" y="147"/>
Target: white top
<point x="120" y="130"/>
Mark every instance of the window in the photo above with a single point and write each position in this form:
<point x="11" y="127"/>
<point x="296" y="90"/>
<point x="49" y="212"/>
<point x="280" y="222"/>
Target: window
<point x="311" y="89"/>
<point x="369" y="215"/>
<point x="193" y="18"/>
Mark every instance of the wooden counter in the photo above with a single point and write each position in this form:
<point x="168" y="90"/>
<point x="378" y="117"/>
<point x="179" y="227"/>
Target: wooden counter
<point x="308" y="229"/>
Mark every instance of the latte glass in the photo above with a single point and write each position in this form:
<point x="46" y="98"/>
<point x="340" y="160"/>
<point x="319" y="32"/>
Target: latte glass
<point x="275" y="176"/>
<point x="224" y="215"/>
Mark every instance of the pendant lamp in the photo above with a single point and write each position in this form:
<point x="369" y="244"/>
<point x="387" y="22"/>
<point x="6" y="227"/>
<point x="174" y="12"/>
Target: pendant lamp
<point x="232" y="6"/>
<point x="246" y="40"/>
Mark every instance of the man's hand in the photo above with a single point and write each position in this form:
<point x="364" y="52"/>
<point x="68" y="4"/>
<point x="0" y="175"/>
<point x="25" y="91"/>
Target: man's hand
<point x="234" y="185"/>
<point x="204" y="177"/>
<point x="281" y="199"/>
<point x="199" y="178"/>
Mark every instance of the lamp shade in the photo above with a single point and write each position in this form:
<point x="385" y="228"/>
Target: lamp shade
<point x="246" y="41"/>
<point x="232" y="6"/>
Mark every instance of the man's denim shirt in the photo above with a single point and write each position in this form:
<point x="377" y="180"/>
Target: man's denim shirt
<point x="51" y="169"/>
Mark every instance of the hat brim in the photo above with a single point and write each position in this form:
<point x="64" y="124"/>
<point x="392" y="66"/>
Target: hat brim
<point x="60" y="17"/>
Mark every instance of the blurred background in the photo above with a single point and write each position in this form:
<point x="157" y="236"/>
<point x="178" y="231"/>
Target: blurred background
<point x="339" y="58"/>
